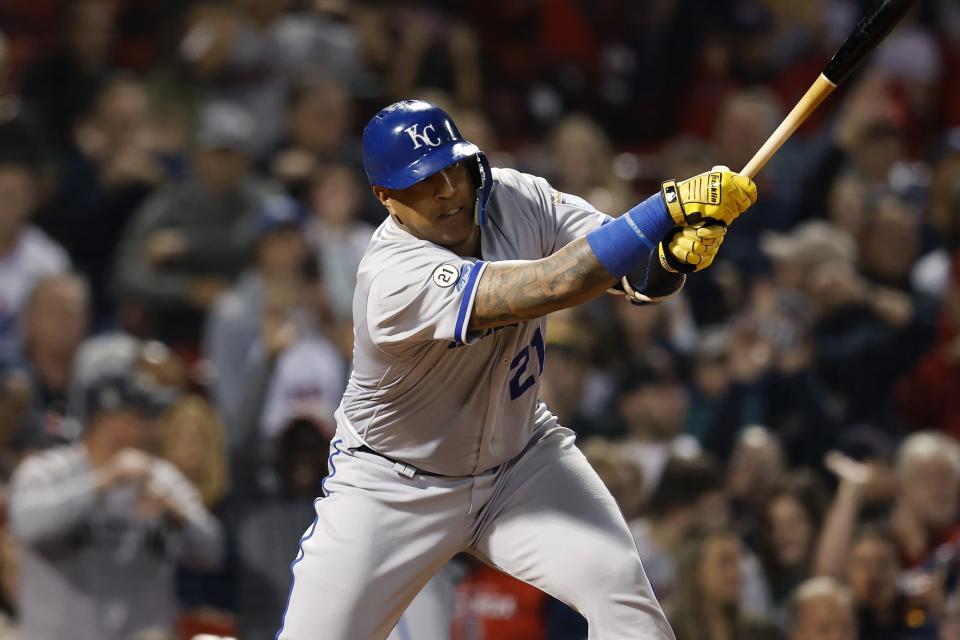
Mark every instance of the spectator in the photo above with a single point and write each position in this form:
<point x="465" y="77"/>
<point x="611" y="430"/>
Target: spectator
<point x="707" y="604"/>
<point x="653" y="405"/>
<point x="872" y="570"/>
<point x="235" y="51"/>
<point x="864" y="143"/>
<point x="924" y="514"/>
<point x="292" y="370"/>
<point x="337" y="236"/>
<point x="436" y="52"/>
<point x="54" y="324"/>
<point x="116" y="354"/>
<point x="890" y="242"/>
<point x="788" y="535"/>
<point x="188" y="242"/>
<point x="755" y="467"/>
<point x="194" y="440"/>
<point x="325" y="37"/>
<point x="104" y="524"/>
<point x="865" y="336"/>
<point x="822" y="609"/>
<point x="653" y="338"/>
<point x="26" y="253"/>
<point x="924" y="396"/>
<point x="310" y="372"/>
<point x="236" y="317"/>
<point x="268" y="533"/>
<point x="584" y="165"/>
<point x="318" y="133"/>
<point x="61" y="86"/>
<point x="688" y="495"/>
<point x="759" y="368"/>
<point x="114" y="167"/>
<point x="710" y="382"/>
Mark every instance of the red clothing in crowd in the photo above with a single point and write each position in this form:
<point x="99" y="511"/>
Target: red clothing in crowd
<point x="926" y="396"/>
<point x="493" y="606"/>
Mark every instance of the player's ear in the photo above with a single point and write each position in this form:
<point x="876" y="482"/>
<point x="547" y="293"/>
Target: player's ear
<point x="384" y="196"/>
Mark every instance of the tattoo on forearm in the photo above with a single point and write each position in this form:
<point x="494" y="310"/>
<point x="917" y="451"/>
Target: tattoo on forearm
<point x="510" y="292"/>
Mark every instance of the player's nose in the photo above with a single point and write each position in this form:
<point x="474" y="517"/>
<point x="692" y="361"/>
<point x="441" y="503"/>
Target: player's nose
<point x="444" y="188"/>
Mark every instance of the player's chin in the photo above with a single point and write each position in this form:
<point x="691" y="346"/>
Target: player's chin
<point x="456" y="225"/>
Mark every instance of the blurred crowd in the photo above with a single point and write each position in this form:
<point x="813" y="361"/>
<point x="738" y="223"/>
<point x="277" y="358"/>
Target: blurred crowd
<point x="183" y="209"/>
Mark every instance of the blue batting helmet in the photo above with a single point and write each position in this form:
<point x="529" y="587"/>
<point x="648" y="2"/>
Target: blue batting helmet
<point x="412" y="140"/>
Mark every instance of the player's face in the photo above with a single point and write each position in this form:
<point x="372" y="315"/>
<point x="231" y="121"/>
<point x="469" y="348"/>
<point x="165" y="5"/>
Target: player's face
<point x="438" y="209"/>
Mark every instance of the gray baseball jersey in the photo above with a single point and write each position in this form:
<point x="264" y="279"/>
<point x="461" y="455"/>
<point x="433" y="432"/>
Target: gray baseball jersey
<point x="426" y="391"/>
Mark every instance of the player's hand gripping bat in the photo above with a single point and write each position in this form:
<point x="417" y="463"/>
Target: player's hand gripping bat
<point x="868" y="33"/>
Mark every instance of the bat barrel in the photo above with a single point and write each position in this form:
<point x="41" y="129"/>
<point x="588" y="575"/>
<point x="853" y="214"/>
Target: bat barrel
<point x="867" y="34"/>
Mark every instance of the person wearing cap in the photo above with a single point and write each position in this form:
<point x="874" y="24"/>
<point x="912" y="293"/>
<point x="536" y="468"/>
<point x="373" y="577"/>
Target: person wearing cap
<point x="189" y="242"/>
<point x="235" y="319"/>
<point x="267" y="312"/>
<point x="103" y="524"/>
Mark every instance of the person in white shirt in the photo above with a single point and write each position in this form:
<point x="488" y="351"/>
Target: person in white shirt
<point x="26" y="253"/>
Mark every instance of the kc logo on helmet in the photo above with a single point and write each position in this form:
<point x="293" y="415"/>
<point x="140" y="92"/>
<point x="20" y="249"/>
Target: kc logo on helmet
<point x="420" y="139"/>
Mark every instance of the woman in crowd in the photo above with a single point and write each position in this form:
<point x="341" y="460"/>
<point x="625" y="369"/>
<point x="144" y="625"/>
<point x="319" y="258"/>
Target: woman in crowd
<point x="709" y="591"/>
<point x="792" y="517"/>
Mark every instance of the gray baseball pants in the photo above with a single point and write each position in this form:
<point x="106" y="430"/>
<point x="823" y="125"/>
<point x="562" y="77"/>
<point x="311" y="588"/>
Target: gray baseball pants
<point x="545" y="517"/>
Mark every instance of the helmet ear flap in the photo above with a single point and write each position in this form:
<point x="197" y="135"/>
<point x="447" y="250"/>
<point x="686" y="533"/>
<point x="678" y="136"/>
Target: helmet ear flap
<point x="482" y="182"/>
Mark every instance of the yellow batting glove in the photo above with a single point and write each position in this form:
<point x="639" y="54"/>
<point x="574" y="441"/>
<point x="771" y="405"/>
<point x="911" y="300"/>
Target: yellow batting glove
<point x="689" y="249"/>
<point x="718" y="195"/>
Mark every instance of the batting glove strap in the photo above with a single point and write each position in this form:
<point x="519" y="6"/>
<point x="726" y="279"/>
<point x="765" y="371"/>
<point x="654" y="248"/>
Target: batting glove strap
<point x="671" y="198"/>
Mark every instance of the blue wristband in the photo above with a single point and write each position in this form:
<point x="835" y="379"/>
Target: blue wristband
<point x="625" y="243"/>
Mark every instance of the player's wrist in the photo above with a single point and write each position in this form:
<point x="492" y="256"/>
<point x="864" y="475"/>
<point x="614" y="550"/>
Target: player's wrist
<point x="627" y="241"/>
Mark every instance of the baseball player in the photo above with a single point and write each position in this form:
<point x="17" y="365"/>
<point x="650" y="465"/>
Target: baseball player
<point x="442" y="444"/>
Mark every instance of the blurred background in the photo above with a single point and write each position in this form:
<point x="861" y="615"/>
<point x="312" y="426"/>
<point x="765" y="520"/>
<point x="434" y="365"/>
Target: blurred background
<point x="183" y="209"/>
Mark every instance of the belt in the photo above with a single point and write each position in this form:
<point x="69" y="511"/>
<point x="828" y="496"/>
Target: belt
<point x="404" y="469"/>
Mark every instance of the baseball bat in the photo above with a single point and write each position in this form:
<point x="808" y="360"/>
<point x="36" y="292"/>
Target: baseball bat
<point x="865" y="37"/>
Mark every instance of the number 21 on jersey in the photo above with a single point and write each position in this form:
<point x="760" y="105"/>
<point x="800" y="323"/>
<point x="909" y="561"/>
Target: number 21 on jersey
<point x="521" y="381"/>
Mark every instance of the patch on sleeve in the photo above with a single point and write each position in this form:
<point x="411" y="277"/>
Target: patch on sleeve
<point x="446" y="275"/>
<point x="560" y="197"/>
<point x="465" y="270"/>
